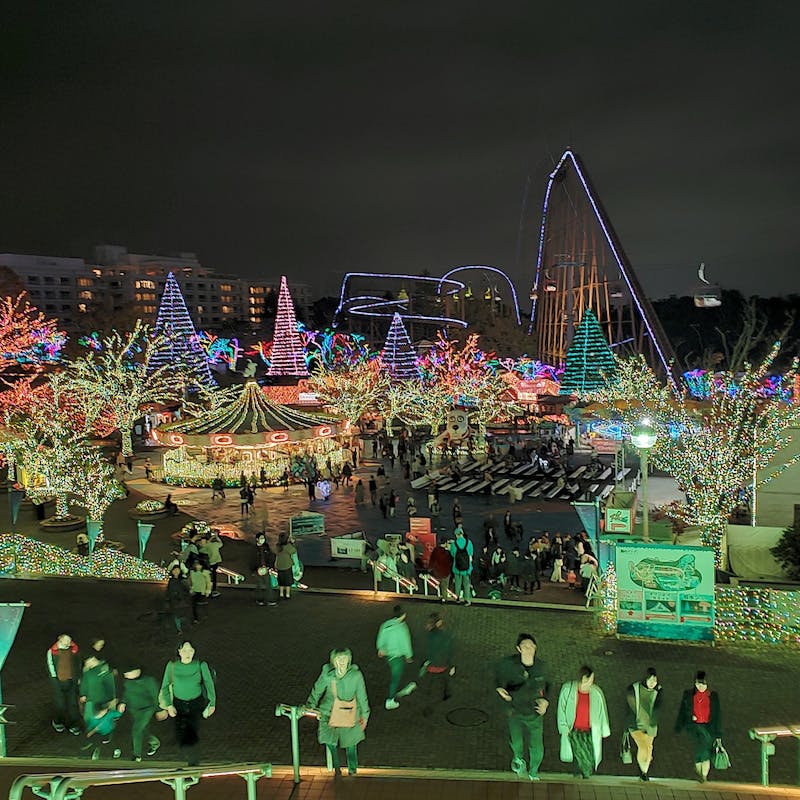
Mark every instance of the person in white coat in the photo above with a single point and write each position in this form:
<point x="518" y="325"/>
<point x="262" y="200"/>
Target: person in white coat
<point x="582" y="719"/>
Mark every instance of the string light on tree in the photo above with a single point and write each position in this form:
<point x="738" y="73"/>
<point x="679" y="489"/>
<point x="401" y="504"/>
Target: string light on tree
<point x="178" y="345"/>
<point x="398" y="353"/>
<point x="590" y="364"/>
<point x="713" y="447"/>
<point x="287" y="357"/>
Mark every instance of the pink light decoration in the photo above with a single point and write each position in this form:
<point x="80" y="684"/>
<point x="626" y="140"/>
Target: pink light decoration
<point x="287" y="357"/>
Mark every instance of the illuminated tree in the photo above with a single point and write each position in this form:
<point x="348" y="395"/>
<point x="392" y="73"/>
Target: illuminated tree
<point x="287" y="356"/>
<point x="714" y="447"/>
<point x="178" y="344"/>
<point x="465" y="377"/>
<point x="28" y="340"/>
<point x="354" y="391"/>
<point x="122" y="377"/>
<point x="398" y="353"/>
<point x="48" y="441"/>
<point x="589" y="364"/>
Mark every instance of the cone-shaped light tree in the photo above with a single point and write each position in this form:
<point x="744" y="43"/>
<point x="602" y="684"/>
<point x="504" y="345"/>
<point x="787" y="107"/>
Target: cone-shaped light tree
<point x="178" y="345"/>
<point x="288" y="357"/>
<point x="590" y="364"/>
<point x="398" y="353"/>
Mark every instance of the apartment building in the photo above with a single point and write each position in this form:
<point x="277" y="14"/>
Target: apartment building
<point x="117" y="282"/>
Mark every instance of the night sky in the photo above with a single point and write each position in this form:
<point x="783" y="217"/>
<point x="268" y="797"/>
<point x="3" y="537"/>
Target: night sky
<point x="312" y="138"/>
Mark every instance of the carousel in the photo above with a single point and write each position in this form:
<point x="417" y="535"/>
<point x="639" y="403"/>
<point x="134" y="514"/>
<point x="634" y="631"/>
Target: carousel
<point x="247" y="436"/>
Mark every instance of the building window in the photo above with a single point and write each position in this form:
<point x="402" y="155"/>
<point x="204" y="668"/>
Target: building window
<point x="49" y="307"/>
<point x="145" y="285"/>
<point x="225" y="287"/>
<point x="199" y="309"/>
<point x="49" y="293"/>
<point x="33" y="279"/>
<point x="85" y="282"/>
<point x="49" y="279"/>
<point x="82" y="308"/>
<point x="85" y="295"/>
<point x="63" y="280"/>
<point x="227" y="310"/>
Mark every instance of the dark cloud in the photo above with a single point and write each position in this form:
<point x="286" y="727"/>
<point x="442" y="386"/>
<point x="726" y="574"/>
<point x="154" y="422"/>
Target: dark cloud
<point x="315" y="138"/>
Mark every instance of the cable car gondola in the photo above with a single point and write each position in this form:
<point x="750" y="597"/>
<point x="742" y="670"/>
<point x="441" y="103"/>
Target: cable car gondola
<point x="706" y="294"/>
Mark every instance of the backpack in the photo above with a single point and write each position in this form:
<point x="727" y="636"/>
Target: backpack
<point x="462" y="558"/>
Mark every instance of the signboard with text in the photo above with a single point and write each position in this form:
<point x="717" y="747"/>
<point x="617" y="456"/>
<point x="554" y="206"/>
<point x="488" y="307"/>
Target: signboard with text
<point x="619" y="520"/>
<point x="665" y="591"/>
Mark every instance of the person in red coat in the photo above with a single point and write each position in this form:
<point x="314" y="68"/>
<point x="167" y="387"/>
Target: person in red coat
<point x="440" y="565"/>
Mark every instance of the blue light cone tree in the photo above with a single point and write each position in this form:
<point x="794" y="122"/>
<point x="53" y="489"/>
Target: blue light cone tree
<point x="288" y="355"/>
<point x="590" y="364"/>
<point x="398" y="353"/>
<point x="179" y="345"/>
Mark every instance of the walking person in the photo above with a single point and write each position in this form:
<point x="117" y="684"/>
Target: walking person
<point x="200" y="587"/>
<point x="373" y="489"/>
<point x="178" y="596"/>
<point x="211" y="547"/>
<point x="340" y="698"/>
<point x="643" y="699"/>
<point x="394" y="644"/>
<point x="263" y="562"/>
<point x="64" y="669"/>
<point x="582" y="718"/>
<point x="557" y="555"/>
<point x="440" y="565"/>
<point x="148" y="469"/>
<point x="523" y="687"/>
<point x="140" y="700"/>
<point x="438" y="666"/>
<point x="187" y="694"/>
<point x="461" y="550"/>
<point x="217" y="488"/>
<point x="699" y="715"/>
<point x="359" y="493"/>
<point x="284" y="561"/>
<point x="98" y="688"/>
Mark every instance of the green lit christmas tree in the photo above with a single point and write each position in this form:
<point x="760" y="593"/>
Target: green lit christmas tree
<point x="590" y="363"/>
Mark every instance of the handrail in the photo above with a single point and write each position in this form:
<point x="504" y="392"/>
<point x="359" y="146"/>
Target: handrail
<point x="236" y="577"/>
<point x="71" y="785"/>
<point x="767" y="735"/>
<point x="294" y="713"/>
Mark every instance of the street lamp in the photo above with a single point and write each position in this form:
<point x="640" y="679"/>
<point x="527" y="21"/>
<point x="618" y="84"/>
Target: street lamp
<point x="644" y="436"/>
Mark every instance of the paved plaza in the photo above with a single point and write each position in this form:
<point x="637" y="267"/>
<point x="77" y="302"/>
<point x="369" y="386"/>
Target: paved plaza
<point x="264" y="656"/>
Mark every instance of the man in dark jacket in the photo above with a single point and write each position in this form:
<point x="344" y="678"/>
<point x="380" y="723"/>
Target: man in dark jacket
<point x="438" y="666"/>
<point x="522" y="685"/>
<point x="178" y="598"/>
<point x="64" y="668"/>
<point x="140" y="700"/>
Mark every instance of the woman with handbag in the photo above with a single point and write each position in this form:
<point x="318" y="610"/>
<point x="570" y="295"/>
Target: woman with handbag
<point x="187" y="694"/>
<point x="700" y="716"/>
<point x="340" y="698"/>
<point x="582" y="719"/>
<point x="643" y="700"/>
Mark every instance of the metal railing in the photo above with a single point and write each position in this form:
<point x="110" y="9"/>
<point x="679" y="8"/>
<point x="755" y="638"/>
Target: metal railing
<point x="294" y="713"/>
<point x="71" y="785"/>
<point x="767" y="736"/>
<point x="233" y="577"/>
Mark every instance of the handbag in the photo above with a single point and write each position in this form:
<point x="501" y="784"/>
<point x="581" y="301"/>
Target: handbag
<point x="343" y="712"/>
<point x="625" y="753"/>
<point x="721" y="758"/>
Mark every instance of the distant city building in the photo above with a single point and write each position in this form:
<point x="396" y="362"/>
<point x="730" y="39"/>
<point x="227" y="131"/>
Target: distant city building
<point x="131" y="283"/>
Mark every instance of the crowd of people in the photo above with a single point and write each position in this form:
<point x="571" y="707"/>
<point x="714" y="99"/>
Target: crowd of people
<point x="91" y="696"/>
<point x="522" y="685"/>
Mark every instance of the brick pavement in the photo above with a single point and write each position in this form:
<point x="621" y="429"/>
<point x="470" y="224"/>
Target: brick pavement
<point x="264" y="656"/>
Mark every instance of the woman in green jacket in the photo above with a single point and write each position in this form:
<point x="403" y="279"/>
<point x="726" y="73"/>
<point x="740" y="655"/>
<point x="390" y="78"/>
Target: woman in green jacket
<point x="187" y="694"/>
<point x="341" y="679"/>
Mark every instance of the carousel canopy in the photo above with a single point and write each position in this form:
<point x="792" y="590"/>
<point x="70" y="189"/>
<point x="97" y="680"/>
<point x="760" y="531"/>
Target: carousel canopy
<point x="250" y="420"/>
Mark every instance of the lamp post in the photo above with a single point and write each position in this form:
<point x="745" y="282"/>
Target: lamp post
<point x="644" y="437"/>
